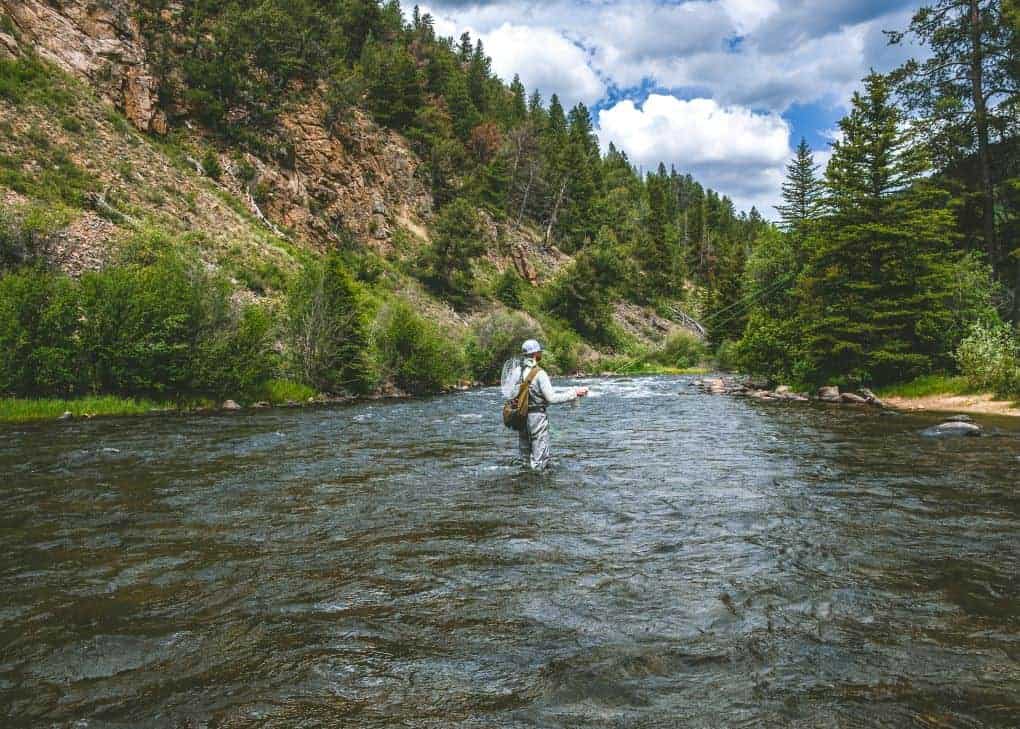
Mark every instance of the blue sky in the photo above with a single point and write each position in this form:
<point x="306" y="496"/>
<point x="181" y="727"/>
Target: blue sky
<point x="723" y="89"/>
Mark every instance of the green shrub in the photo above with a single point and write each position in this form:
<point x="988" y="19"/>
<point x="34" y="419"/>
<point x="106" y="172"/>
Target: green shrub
<point x="70" y="124"/>
<point x="510" y="289"/>
<point x="768" y="346"/>
<point x="497" y="338"/>
<point x="680" y="349"/>
<point x="169" y="327"/>
<point x="581" y="294"/>
<point x="24" y="233"/>
<point x="413" y="353"/>
<point x="139" y="329"/>
<point x="989" y="358"/>
<point x="234" y="356"/>
<point x="327" y="335"/>
<point x="211" y="165"/>
<point x="726" y="357"/>
<point x="458" y="240"/>
<point x="38" y="318"/>
<point x="563" y="348"/>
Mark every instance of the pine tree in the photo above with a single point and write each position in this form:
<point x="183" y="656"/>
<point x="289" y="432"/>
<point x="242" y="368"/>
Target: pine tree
<point x="392" y="81"/>
<point x="463" y="112"/>
<point x="953" y="92"/>
<point x="660" y="247"/>
<point x="458" y="239"/>
<point x="466" y="48"/>
<point x="479" y="70"/>
<point x="873" y="294"/>
<point x="581" y="168"/>
<point x="518" y="103"/>
<point x="802" y="191"/>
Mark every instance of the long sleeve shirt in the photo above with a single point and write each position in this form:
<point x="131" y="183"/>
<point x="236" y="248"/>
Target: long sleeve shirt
<point x="541" y="391"/>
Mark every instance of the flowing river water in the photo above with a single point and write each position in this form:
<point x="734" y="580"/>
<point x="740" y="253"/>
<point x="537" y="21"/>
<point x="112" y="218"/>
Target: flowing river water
<point x="690" y="561"/>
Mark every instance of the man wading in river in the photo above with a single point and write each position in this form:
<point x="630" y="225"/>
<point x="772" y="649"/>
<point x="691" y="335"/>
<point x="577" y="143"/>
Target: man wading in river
<point x="534" y="432"/>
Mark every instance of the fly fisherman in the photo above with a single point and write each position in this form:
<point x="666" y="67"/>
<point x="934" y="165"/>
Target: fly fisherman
<point x="534" y="439"/>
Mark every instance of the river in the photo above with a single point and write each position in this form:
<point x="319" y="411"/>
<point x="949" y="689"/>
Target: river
<point x="691" y="561"/>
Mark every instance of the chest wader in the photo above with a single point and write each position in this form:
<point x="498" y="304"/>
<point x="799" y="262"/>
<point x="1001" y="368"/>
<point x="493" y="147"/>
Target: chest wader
<point x="534" y="438"/>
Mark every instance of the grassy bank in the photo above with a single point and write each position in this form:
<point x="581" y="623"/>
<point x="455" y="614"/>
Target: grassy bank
<point x="24" y="410"/>
<point x="927" y="386"/>
<point x="942" y="393"/>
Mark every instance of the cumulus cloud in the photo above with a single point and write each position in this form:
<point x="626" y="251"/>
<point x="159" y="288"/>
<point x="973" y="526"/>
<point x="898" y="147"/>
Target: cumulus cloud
<point x="763" y="55"/>
<point x="545" y="60"/>
<point x="731" y="149"/>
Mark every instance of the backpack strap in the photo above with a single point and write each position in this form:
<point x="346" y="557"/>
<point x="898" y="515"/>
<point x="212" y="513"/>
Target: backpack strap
<point x="522" y="393"/>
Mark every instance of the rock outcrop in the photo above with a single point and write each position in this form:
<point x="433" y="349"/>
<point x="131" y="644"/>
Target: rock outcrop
<point x="330" y="181"/>
<point x="356" y="178"/>
<point x="99" y="42"/>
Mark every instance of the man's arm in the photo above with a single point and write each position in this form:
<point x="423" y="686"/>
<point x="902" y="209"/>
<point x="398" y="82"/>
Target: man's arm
<point x="554" y="396"/>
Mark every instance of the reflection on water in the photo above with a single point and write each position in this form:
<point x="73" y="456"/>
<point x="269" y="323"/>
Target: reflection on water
<point x="690" y="561"/>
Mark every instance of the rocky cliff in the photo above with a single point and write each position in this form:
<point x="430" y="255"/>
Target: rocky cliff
<point x="248" y="209"/>
<point x="98" y="42"/>
<point x="353" y="178"/>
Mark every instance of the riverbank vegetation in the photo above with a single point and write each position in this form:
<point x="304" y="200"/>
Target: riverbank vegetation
<point x="156" y="329"/>
<point x="901" y="262"/>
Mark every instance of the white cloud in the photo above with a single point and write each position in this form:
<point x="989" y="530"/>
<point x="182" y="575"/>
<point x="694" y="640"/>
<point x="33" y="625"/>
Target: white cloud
<point x="728" y="148"/>
<point x="790" y="52"/>
<point x="749" y="14"/>
<point x="545" y="60"/>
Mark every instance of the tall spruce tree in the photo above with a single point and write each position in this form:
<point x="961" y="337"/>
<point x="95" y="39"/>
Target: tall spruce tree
<point x="958" y="93"/>
<point x="802" y="191"/>
<point x="518" y="103"/>
<point x="873" y="297"/>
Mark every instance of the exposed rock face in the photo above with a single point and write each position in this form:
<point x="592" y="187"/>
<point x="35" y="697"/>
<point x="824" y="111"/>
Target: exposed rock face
<point x="851" y="398"/>
<point x="359" y="178"/>
<point x="352" y="177"/>
<point x="96" y="41"/>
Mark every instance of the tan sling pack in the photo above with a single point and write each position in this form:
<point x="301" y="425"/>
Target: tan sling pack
<point x="515" y="411"/>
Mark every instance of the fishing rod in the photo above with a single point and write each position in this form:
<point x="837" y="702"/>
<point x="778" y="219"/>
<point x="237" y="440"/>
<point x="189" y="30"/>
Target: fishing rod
<point x="749" y="299"/>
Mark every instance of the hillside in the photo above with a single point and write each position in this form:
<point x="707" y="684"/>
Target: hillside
<point x="119" y="140"/>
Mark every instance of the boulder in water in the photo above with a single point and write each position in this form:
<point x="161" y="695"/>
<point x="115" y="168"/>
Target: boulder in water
<point x="851" y="398"/>
<point x="67" y="415"/>
<point x="952" y="429"/>
<point x="828" y="393"/>
<point x="960" y="419"/>
<point x="230" y="405"/>
<point x="872" y="398"/>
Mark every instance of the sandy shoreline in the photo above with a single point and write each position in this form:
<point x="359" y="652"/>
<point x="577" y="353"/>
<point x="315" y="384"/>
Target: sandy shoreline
<point x="981" y="404"/>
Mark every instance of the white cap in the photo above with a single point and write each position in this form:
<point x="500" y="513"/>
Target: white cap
<point x="531" y="347"/>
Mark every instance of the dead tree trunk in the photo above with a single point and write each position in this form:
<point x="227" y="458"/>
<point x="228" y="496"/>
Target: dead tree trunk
<point x="527" y="192"/>
<point x="555" y="210"/>
<point x="977" y="61"/>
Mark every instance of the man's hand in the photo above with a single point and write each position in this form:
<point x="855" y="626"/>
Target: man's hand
<point x="582" y="391"/>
